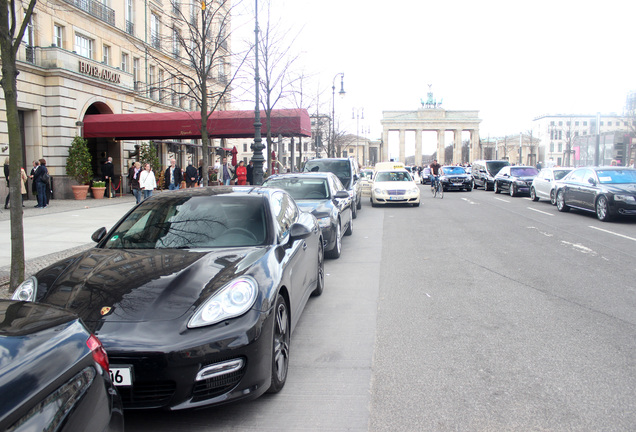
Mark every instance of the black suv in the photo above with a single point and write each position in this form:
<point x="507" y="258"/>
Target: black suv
<point x="484" y="172"/>
<point x="346" y="170"/>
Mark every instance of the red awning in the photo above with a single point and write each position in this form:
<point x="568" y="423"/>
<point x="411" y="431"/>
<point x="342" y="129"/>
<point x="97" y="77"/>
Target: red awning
<point x="221" y="124"/>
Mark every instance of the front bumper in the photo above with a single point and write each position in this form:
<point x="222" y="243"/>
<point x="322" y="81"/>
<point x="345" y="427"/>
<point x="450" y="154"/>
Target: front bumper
<point x="166" y="360"/>
<point x="395" y="197"/>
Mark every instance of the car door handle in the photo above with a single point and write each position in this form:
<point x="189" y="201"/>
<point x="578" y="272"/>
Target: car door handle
<point x="304" y="245"/>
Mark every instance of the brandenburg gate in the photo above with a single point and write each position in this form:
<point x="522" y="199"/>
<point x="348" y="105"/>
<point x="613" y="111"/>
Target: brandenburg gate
<point x="432" y="118"/>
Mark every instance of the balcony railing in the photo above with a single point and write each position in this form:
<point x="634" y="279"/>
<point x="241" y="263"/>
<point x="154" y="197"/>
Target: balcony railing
<point x="130" y="28"/>
<point x="30" y="54"/>
<point x="96" y="9"/>
<point x="155" y="41"/>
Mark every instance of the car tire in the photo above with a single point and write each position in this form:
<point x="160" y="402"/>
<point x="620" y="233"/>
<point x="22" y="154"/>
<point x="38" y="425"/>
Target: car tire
<point x="320" y="277"/>
<point x="473" y="186"/>
<point x="495" y="188"/>
<point x="373" y="204"/>
<point x="552" y="197"/>
<point x="560" y="202"/>
<point x="469" y="188"/>
<point x="602" y="209"/>
<point x="349" y="230"/>
<point x="533" y="195"/>
<point x="359" y="204"/>
<point x="335" y="252"/>
<point x="354" y="208"/>
<point x="511" y="190"/>
<point x="486" y="185"/>
<point x="281" y="339"/>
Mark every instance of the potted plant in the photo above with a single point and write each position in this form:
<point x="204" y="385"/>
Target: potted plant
<point x="98" y="189"/>
<point x="78" y="166"/>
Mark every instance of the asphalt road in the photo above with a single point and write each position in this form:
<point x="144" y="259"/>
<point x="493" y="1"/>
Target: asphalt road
<point x="478" y="312"/>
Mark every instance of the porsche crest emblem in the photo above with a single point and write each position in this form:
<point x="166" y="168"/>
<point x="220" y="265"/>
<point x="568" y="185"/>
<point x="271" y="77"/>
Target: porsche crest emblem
<point x="106" y="310"/>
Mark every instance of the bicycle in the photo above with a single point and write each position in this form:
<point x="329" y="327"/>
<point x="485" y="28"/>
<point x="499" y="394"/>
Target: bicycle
<point x="437" y="188"/>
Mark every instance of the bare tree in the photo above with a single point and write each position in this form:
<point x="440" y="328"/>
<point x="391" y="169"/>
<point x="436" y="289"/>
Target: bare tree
<point x="11" y="33"/>
<point x="196" y="61"/>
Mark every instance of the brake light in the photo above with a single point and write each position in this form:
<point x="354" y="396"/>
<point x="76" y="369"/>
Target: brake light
<point x="98" y="351"/>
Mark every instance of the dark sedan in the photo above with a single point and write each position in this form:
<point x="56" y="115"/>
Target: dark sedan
<point x="53" y="373"/>
<point x="323" y="195"/>
<point x="606" y="191"/>
<point x="455" y="178"/>
<point x="515" y="179"/>
<point x="194" y="293"/>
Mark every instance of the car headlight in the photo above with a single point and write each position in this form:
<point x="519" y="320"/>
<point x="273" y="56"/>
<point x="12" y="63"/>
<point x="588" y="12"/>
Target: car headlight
<point x="379" y="191"/>
<point x="324" y="222"/>
<point x="233" y="300"/>
<point x="520" y="183"/>
<point x="26" y="290"/>
<point x="625" y="198"/>
<point x="414" y="190"/>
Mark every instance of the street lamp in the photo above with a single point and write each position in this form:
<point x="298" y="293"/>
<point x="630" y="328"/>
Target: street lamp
<point x="257" y="146"/>
<point x="333" y="110"/>
<point x="357" y="114"/>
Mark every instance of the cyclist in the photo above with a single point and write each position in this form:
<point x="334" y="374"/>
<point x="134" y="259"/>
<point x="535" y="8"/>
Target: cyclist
<point x="434" y="173"/>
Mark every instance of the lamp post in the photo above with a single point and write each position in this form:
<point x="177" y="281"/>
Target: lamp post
<point x="257" y="146"/>
<point x="333" y="110"/>
<point x="357" y="114"/>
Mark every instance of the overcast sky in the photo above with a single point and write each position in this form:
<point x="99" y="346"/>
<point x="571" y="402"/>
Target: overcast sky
<point x="512" y="61"/>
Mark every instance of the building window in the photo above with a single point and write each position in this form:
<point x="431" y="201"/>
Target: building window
<point x="244" y="147"/>
<point x="584" y="123"/>
<point x="162" y="91"/>
<point x="106" y="54"/>
<point x="576" y="123"/>
<point x="175" y="42"/>
<point x="83" y="46"/>
<point x="551" y="147"/>
<point x="602" y="123"/>
<point x="609" y="123"/>
<point x="58" y="36"/>
<point x="155" y="31"/>
<point x="151" y="82"/>
<point x="124" y="62"/>
<point x="552" y="123"/>
<point x="560" y="147"/>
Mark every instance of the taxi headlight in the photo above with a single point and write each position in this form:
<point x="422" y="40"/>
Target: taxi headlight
<point x="324" y="222"/>
<point x="26" y="290"/>
<point x="233" y="300"/>
<point x="379" y="191"/>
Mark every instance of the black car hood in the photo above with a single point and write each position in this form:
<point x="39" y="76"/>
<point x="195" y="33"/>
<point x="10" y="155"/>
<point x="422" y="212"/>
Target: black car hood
<point x="619" y="188"/>
<point x="140" y="285"/>
<point x="319" y="208"/>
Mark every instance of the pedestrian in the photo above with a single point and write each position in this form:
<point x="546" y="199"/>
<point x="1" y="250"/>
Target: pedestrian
<point x="227" y="172"/>
<point x="191" y="175"/>
<point x="6" y="177"/>
<point x="147" y="181"/>
<point x="250" y="172"/>
<point x="36" y="164"/>
<point x="200" y="172"/>
<point x="108" y="172"/>
<point x="23" y="189"/>
<point x="241" y="174"/>
<point x="133" y="180"/>
<point x="173" y="176"/>
<point x="41" y="179"/>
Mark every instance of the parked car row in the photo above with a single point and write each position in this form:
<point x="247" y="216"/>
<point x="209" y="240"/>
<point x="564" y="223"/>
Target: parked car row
<point x="606" y="191"/>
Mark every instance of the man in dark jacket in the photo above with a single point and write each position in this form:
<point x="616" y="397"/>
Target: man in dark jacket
<point x="173" y="176"/>
<point x="191" y="175"/>
<point x="108" y="172"/>
<point x="250" y="173"/>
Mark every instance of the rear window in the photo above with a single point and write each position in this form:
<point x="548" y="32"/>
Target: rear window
<point x="340" y="168"/>
<point x="495" y="166"/>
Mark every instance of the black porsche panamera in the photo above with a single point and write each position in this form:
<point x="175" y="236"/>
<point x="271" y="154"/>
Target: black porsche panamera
<point x="192" y="293"/>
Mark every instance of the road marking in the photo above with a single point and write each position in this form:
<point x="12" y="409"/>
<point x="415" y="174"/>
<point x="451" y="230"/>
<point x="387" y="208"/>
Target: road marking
<point x="541" y="232"/>
<point x="469" y="201"/>
<point x="580" y="248"/>
<point x="612" y="232"/>
<point x="540" y="211"/>
<point x="500" y="199"/>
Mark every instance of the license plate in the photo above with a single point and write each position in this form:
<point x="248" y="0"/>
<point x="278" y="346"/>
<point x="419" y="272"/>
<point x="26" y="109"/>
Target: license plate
<point x="457" y="184"/>
<point x="395" y="198"/>
<point x="121" y="375"/>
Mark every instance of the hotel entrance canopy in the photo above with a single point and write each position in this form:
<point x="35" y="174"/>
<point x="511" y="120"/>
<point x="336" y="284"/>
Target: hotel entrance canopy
<point x="187" y="125"/>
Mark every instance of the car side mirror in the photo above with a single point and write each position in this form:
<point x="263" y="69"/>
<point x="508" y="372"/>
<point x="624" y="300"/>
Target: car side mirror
<point x="341" y="194"/>
<point x="298" y="231"/>
<point x="99" y="235"/>
<point x="355" y="177"/>
<point x="591" y="181"/>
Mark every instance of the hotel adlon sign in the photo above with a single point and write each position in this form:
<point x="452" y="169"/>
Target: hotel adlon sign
<point x="97" y="72"/>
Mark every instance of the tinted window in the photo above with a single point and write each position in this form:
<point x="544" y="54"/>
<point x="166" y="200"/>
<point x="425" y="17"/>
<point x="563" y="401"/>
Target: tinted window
<point x="285" y="213"/>
<point x="454" y="170"/>
<point x="559" y="174"/>
<point x="495" y="166"/>
<point x="192" y="222"/>
<point x="386" y="176"/>
<point x="341" y="168"/>
<point x="577" y="176"/>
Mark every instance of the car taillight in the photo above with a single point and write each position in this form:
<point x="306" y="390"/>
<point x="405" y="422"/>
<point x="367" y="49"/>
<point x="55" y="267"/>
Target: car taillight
<point x="98" y="351"/>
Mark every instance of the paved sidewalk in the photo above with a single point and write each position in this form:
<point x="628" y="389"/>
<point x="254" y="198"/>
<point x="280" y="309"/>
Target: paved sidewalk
<point x="60" y="230"/>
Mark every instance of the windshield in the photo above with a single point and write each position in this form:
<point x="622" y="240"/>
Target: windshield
<point x="616" y="176"/>
<point x="340" y="168"/>
<point x="524" y="172"/>
<point x="301" y="188"/>
<point x="559" y="174"/>
<point x="387" y="176"/>
<point x="451" y="170"/>
<point x="192" y="222"/>
<point x="495" y="166"/>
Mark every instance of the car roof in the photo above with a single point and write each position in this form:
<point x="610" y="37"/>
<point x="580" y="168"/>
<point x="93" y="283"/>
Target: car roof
<point x="314" y="174"/>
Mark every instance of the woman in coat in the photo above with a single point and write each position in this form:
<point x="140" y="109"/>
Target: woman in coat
<point x="241" y="174"/>
<point x="147" y="181"/>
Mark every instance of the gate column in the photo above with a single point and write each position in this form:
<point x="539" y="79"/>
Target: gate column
<point x="418" y="147"/>
<point x="457" y="147"/>
<point x="402" y="146"/>
<point x="441" y="146"/>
